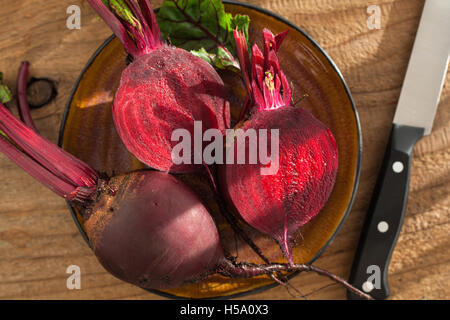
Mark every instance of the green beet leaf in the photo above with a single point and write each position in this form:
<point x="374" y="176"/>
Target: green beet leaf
<point x="204" y="28"/>
<point x="5" y="93"/>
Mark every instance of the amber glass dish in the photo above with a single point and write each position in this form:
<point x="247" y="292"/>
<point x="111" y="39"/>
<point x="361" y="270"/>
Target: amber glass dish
<point x="88" y="132"/>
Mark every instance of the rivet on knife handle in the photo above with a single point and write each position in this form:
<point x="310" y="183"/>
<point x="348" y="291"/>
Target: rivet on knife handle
<point x="385" y="216"/>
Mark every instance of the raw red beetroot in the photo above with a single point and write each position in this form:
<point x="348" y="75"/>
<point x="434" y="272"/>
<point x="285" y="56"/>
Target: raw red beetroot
<point x="155" y="232"/>
<point x="145" y="227"/>
<point x="279" y="204"/>
<point x="163" y="89"/>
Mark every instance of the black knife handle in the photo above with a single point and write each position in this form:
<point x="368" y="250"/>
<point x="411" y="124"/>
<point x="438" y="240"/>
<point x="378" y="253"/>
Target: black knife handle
<point x="385" y="216"/>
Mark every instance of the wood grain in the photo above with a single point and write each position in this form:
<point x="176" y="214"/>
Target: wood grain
<point x="38" y="239"/>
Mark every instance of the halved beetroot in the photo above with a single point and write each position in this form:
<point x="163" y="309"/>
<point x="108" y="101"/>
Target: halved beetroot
<point x="165" y="88"/>
<point x="279" y="204"/>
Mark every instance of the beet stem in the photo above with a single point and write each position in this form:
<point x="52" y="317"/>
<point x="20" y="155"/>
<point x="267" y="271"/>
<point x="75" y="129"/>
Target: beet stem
<point x="53" y="182"/>
<point x="138" y="38"/>
<point x="266" y="84"/>
<point x="54" y="159"/>
<point x="248" y="270"/>
<point x="115" y="24"/>
<point x="244" y="58"/>
<point x="244" y="61"/>
<point x="52" y="166"/>
<point x="22" y="99"/>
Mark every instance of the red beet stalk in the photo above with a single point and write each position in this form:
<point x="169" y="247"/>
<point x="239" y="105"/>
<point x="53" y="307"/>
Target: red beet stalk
<point x="22" y="99"/>
<point x="57" y="169"/>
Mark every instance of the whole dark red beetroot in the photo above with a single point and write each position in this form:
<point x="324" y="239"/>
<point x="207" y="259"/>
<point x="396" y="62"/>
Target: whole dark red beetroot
<point x="163" y="89"/>
<point x="279" y="204"/>
<point x="154" y="232"/>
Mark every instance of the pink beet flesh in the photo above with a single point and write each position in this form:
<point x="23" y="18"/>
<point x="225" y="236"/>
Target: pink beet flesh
<point x="165" y="90"/>
<point x="278" y="205"/>
<point x="162" y="91"/>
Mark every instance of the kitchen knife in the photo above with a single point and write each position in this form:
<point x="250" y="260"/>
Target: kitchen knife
<point x="413" y="119"/>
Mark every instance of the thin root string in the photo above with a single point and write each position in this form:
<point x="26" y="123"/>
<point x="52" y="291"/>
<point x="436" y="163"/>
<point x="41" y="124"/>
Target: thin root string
<point x="287" y="285"/>
<point x="320" y="289"/>
<point x="210" y="176"/>
<point x="301" y="99"/>
<point x="248" y="270"/>
<point x="325" y="273"/>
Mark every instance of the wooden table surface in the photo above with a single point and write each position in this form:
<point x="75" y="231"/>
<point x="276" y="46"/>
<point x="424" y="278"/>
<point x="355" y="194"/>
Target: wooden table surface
<point x="38" y="239"/>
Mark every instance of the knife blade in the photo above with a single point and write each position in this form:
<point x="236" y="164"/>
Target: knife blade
<point x="416" y="109"/>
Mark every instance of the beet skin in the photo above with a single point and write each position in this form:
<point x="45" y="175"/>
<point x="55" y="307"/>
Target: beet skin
<point x="154" y="232"/>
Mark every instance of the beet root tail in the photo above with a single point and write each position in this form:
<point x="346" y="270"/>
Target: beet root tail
<point x="231" y="269"/>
